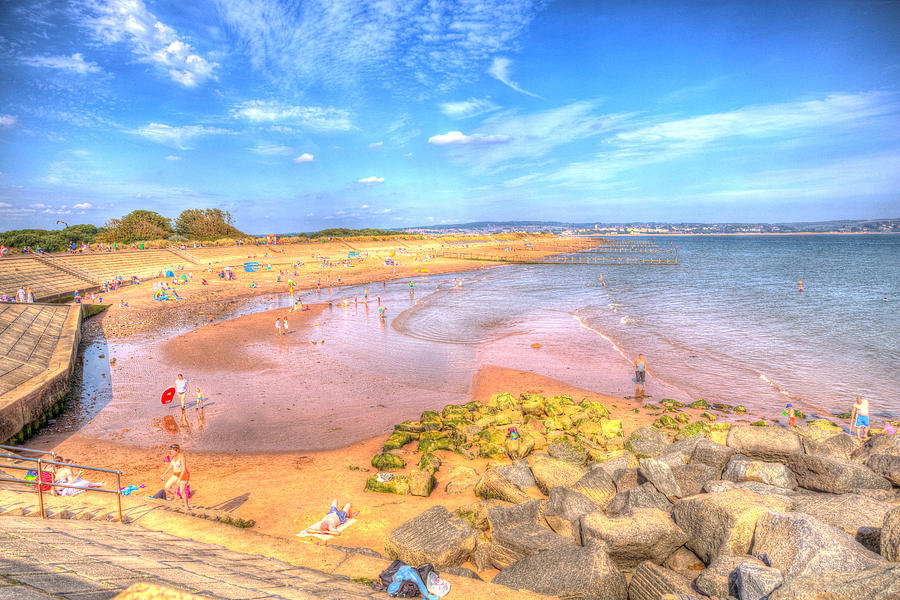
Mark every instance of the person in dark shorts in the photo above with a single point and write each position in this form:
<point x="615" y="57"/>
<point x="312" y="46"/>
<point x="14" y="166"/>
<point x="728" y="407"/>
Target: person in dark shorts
<point x="640" y="373"/>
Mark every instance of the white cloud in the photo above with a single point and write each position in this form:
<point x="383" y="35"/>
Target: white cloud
<point x="364" y="206"/>
<point x="272" y="150"/>
<point x="178" y="137"/>
<point x="499" y="70"/>
<point x="5" y="205"/>
<point x="431" y="45"/>
<point x="7" y="121"/>
<point x="370" y="180"/>
<point x="83" y="206"/>
<point x="311" y="117"/>
<point x="173" y="157"/>
<point x="304" y="158"/>
<point x="375" y="145"/>
<point x="467" y="108"/>
<point x="74" y="63"/>
<point x="458" y="137"/>
<point x="153" y="41"/>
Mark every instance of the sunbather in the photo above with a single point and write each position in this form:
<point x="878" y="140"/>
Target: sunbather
<point x="334" y="519"/>
<point x="65" y="475"/>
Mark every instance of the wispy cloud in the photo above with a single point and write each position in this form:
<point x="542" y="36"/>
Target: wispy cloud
<point x="376" y="145"/>
<point x="317" y="118"/>
<point x="272" y="150"/>
<point x="173" y="157"/>
<point x="370" y="180"/>
<point x="500" y="70"/>
<point x="527" y="136"/>
<point x="465" y="109"/>
<point x="306" y="157"/>
<point x="7" y="121"/>
<point x="152" y="41"/>
<point x="179" y="137"/>
<point x="426" y="44"/>
<point x="74" y="63"/>
<point x="83" y="206"/>
<point x="455" y="138"/>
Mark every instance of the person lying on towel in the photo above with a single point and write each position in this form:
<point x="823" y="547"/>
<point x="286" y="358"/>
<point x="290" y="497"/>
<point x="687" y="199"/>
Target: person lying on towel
<point x="334" y="519"/>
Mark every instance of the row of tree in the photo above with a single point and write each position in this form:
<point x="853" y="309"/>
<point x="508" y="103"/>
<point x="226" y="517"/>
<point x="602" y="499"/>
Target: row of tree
<point x="192" y="224"/>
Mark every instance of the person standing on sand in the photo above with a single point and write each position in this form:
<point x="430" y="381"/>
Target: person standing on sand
<point x="278" y="326"/>
<point x="284" y="326"/>
<point x="178" y="482"/>
<point x="640" y="373"/>
<point x="859" y="418"/>
<point x="181" y="388"/>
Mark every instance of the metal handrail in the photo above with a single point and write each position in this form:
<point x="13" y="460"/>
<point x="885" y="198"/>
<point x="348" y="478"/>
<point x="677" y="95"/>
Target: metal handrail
<point x="21" y="449"/>
<point x="39" y="481"/>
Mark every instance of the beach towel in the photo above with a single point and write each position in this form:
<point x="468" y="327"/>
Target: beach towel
<point x="324" y="536"/>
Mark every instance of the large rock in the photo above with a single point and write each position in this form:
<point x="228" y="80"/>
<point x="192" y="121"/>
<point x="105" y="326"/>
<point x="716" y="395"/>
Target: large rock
<point x="494" y="484"/>
<point x="651" y="581"/>
<point x="642" y="496"/>
<point x="838" y="445"/>
<point x="833" y="475"/>
<point x="597" y="485"/>
<point x="685" y="562"/>
<point x="872" y="584"/>
<point x="890" y="535"/>
<point x="799" y="545"/>
<point x="718" y="578"/>
<point x="741" y="468"/>
<point x="435" y="537"/>
<point x="519" y="473"/>
<point x="511" y="544"/>
<point x="642" y="534"/>
<point x="647" y="442"/>
<point x="707" y="452"/>
<point x="756" y="582"/>
<point x="884" y="443"/>
<point x="461" y="480"/>
<point x="886" y="465"/>
<point x="625" y="479"/>
<point x="659" y="473"/>
<point x="764" y="443"/>
<point x="500" y="517"/>
<point x="692" y="478"/>
<point x="571" y="572"/>
<point x="724" y="522"/>
<point x="858" y="515"/>
<point x="563" y="449"/>
<point x="564" y="511"/>
<point x="550" y="473"/>
<point x="626" y="460"/>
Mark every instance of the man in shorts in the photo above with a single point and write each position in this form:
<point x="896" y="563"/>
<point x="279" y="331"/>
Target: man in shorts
<point x="860" y="418"/>
<point x="181" y="388"/>
<point x="640" y="373"/>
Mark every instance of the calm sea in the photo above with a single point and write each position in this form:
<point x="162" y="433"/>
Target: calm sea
<point x="726" y="324"/>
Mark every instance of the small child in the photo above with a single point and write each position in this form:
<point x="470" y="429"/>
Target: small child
<point x="200" y="400"/>
<point x="278" y="326"/>
<point x="889" y="428"/>
<point x="284" y="326"/>
<point x="789" y="411"/>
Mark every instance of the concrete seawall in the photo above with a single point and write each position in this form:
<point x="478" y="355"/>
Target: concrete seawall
<point x="28" y="402"/>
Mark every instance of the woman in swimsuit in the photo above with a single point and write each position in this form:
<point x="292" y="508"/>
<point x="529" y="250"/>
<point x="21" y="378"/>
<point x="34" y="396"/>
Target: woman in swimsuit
<point x="65" y="475"/>
<point x="180" y="475"/>
<point x="334" y="519"/>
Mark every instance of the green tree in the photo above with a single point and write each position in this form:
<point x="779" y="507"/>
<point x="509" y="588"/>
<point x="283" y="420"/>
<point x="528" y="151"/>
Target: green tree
<point x="137" y="225"/>
<point x="206" y="224"/>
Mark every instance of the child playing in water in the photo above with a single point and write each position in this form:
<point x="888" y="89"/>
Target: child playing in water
<point x="791" y="415"/>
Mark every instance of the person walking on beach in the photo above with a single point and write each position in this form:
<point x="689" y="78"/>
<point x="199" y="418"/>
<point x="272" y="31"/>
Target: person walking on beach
<point x="640" y="373"/>
<point x="859" y="418"/>
<point x="178" y="482"/>
<point x="284" y="326"/>
<point x="278" y="326"/>
<point x="181" y="388"/>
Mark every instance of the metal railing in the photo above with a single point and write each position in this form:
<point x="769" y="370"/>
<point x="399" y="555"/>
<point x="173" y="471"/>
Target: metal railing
<point x="39" y="482"/>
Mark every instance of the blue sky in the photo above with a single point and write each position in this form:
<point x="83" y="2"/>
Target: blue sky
<point x="300" y="115"/>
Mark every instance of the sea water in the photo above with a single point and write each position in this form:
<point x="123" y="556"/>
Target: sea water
<point x="728" y="323"/>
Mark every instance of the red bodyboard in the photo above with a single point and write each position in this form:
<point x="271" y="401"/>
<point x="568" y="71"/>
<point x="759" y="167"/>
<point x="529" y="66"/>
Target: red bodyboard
<point x="167" y="395"/>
